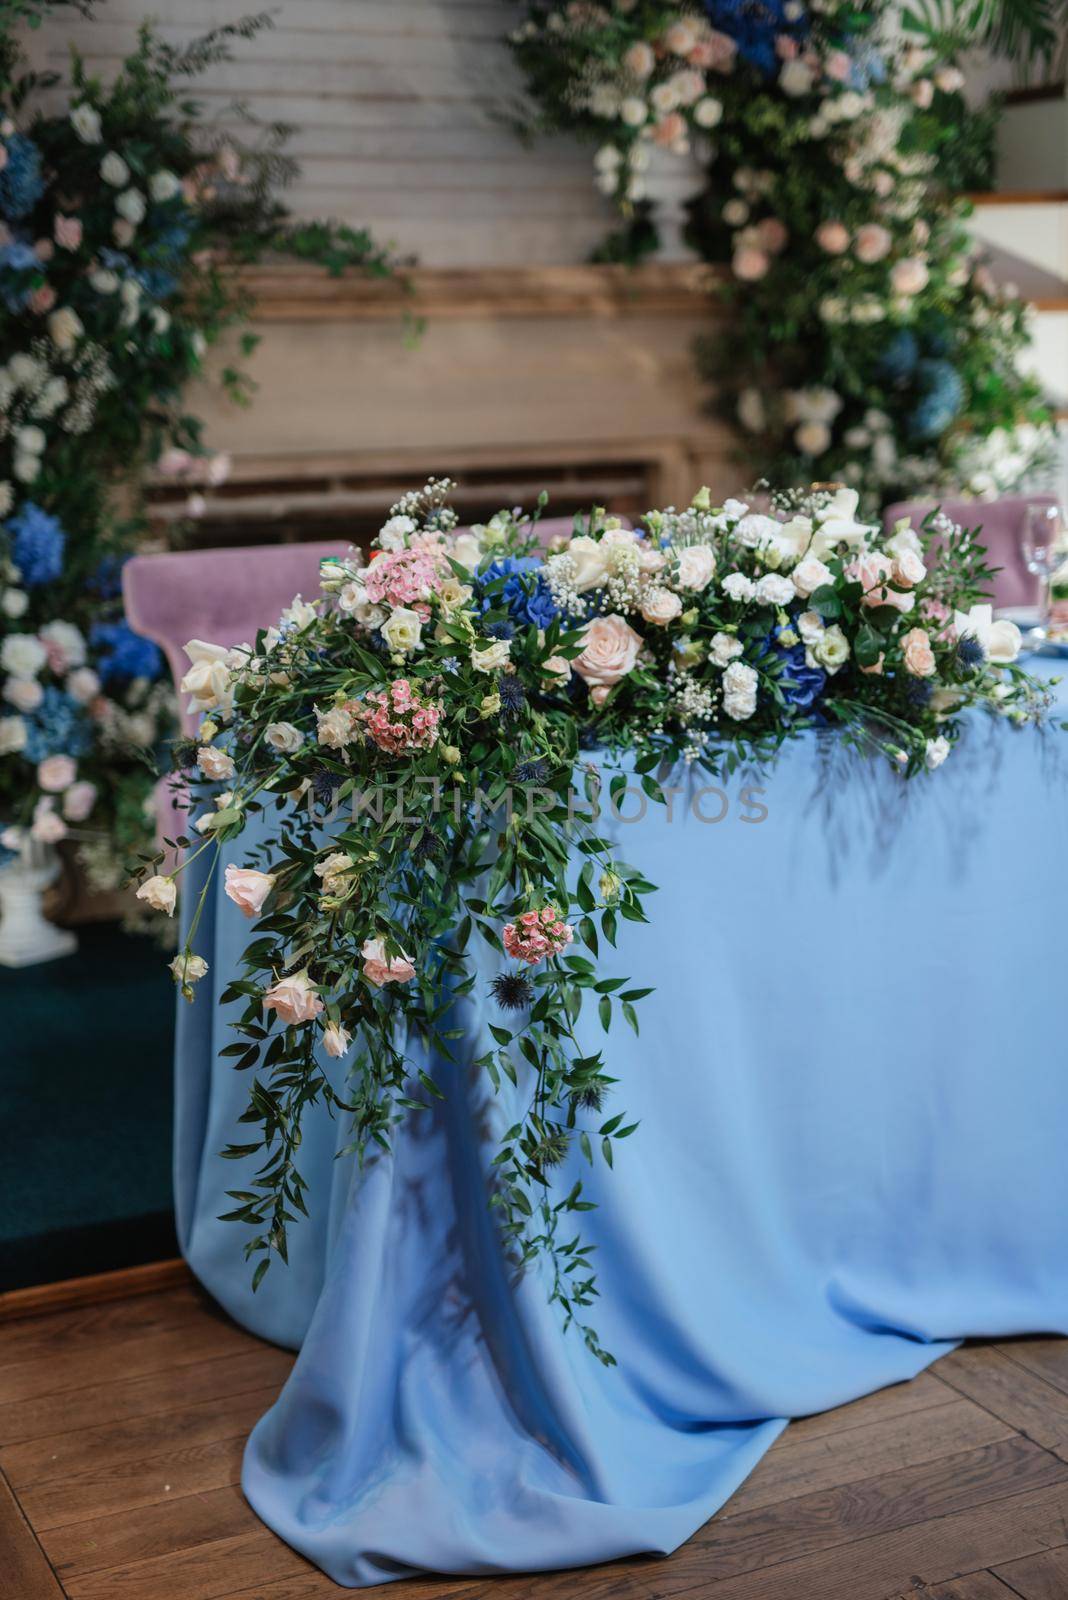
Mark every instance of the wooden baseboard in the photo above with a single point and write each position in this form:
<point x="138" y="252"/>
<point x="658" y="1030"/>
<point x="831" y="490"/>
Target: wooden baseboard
<point x="96" y="1290"/>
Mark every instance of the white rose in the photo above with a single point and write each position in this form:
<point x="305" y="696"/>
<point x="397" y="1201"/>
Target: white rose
<point x="589" y="559"/>
<point x="30" y="439"/>
<point x="809" y="575"/>
<point x="335" y="727"/>
<point x="936" y="752"/>
<point x="114" y="170"/>
<point x="723" y="649"/>
<point x="739" y="691"/>
<point x="773" y="590"/>
<point x="403" y="631"/>
<point x="633" y="111"/>
<point x="12" y="735"/>
<point x="86" y="123"/>
<point x="490" y="655"/>
<point x="25" y="694"/>
<point x="466" y="550"/>
<point x="795" y="78"/>
<point x="660" y="606"/>
<point x="707" y="113"/>
<point x="697" y="564"/>
<point x="810" y="626"/>
<point x="812" y="438"/>
<point x="65" y="328"/>
<point x="131" y="205"/>
<point x="160" y="893"/>
<point x="104" y="282"/>
<point x="738" y="586"/>
<point x="14" y="603"/>
<point x="164" y="186"/>
<point x="284" y="737"/>
<point x="23" y="655"/>
<point x="83" y="685"/>
<point x="209" y="679"/>
<point x="215" y="764"/>
<point x="26" y="468"/>
<point x="831" y="649"/>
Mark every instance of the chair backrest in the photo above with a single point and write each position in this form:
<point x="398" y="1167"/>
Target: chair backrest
<point x="999" y="522"/>
<point x="222" y="596"/>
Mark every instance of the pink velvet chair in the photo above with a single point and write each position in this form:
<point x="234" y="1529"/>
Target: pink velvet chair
<point x="221" y="596"/>
<point x="1000" y="522"/>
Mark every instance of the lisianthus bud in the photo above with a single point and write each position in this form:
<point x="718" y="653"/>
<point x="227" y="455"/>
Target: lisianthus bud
<point x="610" y="886"/>
<point x="702" y="500"/>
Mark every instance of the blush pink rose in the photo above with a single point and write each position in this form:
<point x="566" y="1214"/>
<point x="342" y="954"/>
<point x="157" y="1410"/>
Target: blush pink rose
<point x="873" y="572"/>
<point x="43" y="299"/>
<point x="379" y="970"/>
<point x="78" y="801"/>
<point x="750" y="264"/>
<point x="248" y="889"/>
<point x="837" y="65"/>
<point x="68" y="232"/>
<point x="660" y="606"/>
<point x="909" y="275"/>
<point x="833" y="237"/>
<point x="610" y="650"/>
<point x="919" y="657"/>
<point x="909" y="570"/>
<point x="669" y="130"/>
<point x="773" y="235"/>
<point x="56" y="773"/>
<point x="295" y="999"/>
<point x="872" y="243"/>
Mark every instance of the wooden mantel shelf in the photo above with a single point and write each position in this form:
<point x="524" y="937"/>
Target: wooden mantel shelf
<point x="290" y="292"/>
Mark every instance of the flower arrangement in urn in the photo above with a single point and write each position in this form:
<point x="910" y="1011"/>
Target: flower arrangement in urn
<point x="117" y="213"/>
<point x="866" y="340"/>
<point x="465" y="672"/>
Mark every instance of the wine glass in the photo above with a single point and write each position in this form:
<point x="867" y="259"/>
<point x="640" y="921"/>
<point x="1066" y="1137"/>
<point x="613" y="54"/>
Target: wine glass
<point x="1044" y="548"/>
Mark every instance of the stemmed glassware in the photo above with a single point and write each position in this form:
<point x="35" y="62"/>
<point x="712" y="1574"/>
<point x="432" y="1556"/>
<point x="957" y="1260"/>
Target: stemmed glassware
<point x="1044" y="548"/>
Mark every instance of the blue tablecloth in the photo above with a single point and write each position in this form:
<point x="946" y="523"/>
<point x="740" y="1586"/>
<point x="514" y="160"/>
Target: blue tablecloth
<point x="852" y="1082"/>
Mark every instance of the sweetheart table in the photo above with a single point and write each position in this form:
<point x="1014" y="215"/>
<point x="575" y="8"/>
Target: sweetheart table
<point x="852" y="1086"/>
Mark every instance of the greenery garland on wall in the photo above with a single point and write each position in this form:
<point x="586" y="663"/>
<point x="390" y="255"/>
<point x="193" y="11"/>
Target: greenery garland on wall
<point x="120" y="218"/>
<point x="865" y="341"/>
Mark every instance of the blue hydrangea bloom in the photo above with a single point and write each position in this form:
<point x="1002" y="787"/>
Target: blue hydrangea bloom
<point x="59" y="726"/>
<point x="21" y="184"/>
<point x="37" y="541"/>
<point x="106" y="581"/>
<point x="940" y="401"/>
<point x="121" y="653"/>
<point x="899" y="357"/>
<point x="754" y="26"/>
<point x="801" y="685"/>
<point x="535" y="607"/>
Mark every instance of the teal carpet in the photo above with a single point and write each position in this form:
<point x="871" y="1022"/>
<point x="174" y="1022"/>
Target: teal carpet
<point x="85" y="1111"/>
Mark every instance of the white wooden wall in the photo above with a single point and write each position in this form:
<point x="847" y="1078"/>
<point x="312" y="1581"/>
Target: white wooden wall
<point x="399" y="107"/>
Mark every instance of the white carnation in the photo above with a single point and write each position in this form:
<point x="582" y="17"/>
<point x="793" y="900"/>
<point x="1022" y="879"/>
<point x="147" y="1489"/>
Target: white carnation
<point x="739" y="691"/>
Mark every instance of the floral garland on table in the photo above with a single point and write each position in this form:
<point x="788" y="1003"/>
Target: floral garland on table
<point x="115" y="219"/>
<point x="466" y="670"/>
<point x="865" y="341"/>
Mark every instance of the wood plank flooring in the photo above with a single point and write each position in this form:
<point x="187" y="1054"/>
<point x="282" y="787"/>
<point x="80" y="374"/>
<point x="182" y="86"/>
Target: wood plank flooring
<point x="122" y="1427"/>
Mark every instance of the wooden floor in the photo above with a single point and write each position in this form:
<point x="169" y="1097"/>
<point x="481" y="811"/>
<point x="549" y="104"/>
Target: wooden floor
<point x="122" y="1425"/>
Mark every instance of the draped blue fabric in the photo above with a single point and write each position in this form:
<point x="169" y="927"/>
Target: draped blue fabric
<point x="852" y="1088"/>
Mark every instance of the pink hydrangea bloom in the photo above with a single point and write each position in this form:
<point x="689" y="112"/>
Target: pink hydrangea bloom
<point x="400" y="577"/>
<point x="398" y="719"/>
<point x="537" y="934"/>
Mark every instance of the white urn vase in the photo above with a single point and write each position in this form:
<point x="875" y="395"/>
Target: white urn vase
<point x="671" y="181"/>
<point x="26" y="935"/>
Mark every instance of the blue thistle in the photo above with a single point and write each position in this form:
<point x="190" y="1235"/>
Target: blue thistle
<point x="970" y="653"/>
<point x="536" y="771"/>
<point x="499" y="630"/>
<point x="37" y="542"/>
<point x="919" y="692"/>
<point x="512" y="991"/>
<point x="512" y="693"/>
